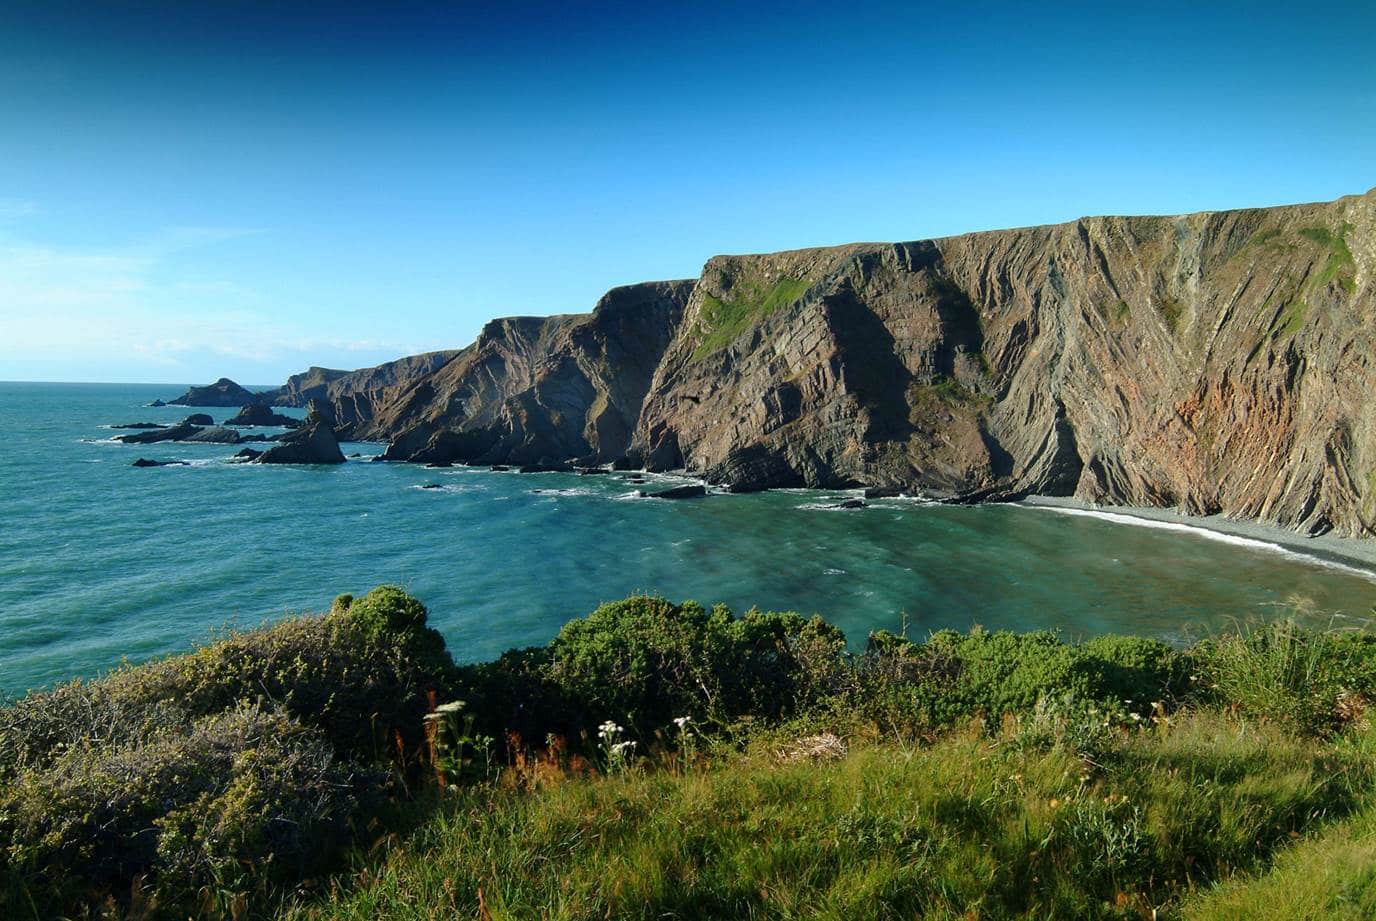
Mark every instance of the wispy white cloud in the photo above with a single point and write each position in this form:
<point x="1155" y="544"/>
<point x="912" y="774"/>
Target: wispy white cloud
<point x="136" y="300"/>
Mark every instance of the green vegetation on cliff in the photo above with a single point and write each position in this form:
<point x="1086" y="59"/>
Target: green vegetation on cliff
<point x="669" y="760"/>
<point x="750" y="302"/>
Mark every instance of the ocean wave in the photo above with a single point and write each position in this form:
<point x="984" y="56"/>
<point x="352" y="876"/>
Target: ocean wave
<point x="1237" y="540"/>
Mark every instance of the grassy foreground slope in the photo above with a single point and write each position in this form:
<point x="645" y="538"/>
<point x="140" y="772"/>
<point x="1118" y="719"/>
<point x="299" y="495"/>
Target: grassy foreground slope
<point x="670" y="761"/>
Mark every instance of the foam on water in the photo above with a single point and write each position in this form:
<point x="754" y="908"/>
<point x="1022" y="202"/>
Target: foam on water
<point x="1206" y="533"/>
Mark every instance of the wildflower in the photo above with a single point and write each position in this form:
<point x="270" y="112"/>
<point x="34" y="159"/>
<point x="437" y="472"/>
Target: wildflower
<point x="623" y="748"/>
<point x="454" y="706"/>
<point x="682" y="722"/>
<point x="1054" y="804"/>
<point x="609" y="728"/>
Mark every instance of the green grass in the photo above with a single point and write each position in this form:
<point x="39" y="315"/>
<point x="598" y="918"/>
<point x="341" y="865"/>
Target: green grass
<point x="1330" y="876"/>
<point x="723" y="320"/>
<point x="972" y="825"/>
<point x="1340" y="266"/>
<point x="1290" y="320"/>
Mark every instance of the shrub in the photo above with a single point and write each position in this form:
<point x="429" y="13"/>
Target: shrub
<point x="234" y="803"/>
<point x="645" y="661"/>
<point x="228" y="770"/>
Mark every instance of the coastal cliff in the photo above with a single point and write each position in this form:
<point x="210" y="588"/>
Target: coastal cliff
<point x="1218" y="362"/>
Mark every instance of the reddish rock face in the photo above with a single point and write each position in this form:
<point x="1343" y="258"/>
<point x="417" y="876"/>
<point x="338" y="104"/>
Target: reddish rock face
<point x="1220" y="362"/>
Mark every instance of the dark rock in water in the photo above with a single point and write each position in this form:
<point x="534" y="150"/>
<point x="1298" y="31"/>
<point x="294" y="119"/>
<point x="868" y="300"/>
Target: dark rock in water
<point x="145" y="462"/>
<point x="215" y="435"/>
<point x="245" y="456"/>
<point x="883" y="492"/>
<point x="313" y="443"/>
<point x="850" y="503"/>
<point x="256" y="436"/>
<point x="355" y="454"/>
<point x="140" y="425"/>
<point x="500" y="467"/>
<point x="547" y="468"/>
<point x="440" y="465"/>
<point x="198" y="419"/>
<point x="430" y="486"/>
<point x="177" y="432"/>
<point x="636" y="479"/>
<point x="258" y="414"/>
<point x="223" y="392"/>
<point x="156" y="403"/>
<point x="628" y="462"/>
<point x="678" y="492"/>
<point x="592" y="471"/>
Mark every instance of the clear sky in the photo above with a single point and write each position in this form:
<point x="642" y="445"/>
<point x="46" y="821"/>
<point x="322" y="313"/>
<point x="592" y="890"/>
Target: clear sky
<point x="197" y="189"/>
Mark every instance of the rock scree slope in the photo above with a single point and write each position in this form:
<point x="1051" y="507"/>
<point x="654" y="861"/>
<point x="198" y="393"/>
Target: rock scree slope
<point x="1219" y="362"/>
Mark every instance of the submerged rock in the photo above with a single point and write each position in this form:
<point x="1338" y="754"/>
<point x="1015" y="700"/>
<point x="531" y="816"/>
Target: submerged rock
<point x="546" y="468"/>
<point x="140" y="425"/>
<point x="678" y="492"/>
<point x="145" y="462"/>
<point x="245" y="456"/>
<point x="850" y="503"/>
<point x="156" y="403"/>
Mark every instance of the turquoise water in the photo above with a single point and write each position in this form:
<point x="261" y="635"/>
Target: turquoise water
<point x="100" y="561"/>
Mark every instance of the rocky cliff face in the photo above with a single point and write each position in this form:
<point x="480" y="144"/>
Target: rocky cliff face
<point x="351" y="397"/>
<point x="1219" y="362"/>
<point x="533" y="389"/>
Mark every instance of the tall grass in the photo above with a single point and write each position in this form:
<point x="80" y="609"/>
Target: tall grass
<point x="972" y="826"/>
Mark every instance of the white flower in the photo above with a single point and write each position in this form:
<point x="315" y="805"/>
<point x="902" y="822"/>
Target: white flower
<point x="454" y="706"/>
<point x="623" y="748"/>
<point x="609" y="728"/>
<point x="682" y="722"/>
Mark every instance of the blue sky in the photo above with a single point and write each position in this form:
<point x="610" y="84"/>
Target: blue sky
<point x="196" y="190"/>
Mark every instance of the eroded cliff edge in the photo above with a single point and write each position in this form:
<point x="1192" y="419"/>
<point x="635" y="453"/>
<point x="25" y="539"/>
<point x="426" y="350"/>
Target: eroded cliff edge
<point x="1216" y="362"/>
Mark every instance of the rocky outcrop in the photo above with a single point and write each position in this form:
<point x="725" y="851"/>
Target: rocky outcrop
<point x="534" y="390"/>
<point x="313" y="443"/>
<point x="223" y="392"/>
<point x="259" y="414"/>
<point x="1219" y="362"/>
<point x="194" y="428"/>
<point x="350" y="398"/>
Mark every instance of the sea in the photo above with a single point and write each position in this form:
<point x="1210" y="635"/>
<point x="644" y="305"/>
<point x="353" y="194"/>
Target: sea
<point x="103" y="563"/>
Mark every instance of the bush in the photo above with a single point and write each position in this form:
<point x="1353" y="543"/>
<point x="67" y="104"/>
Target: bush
<point x="228" y="770"/>
<point x="234" y="803"/>
<point x="645" y="661"/>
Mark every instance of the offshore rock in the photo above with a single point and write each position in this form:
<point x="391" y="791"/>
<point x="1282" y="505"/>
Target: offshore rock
<point x="313" y="443"/>
<point x="223" y="392"/>
<point x="259" y="414"/>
